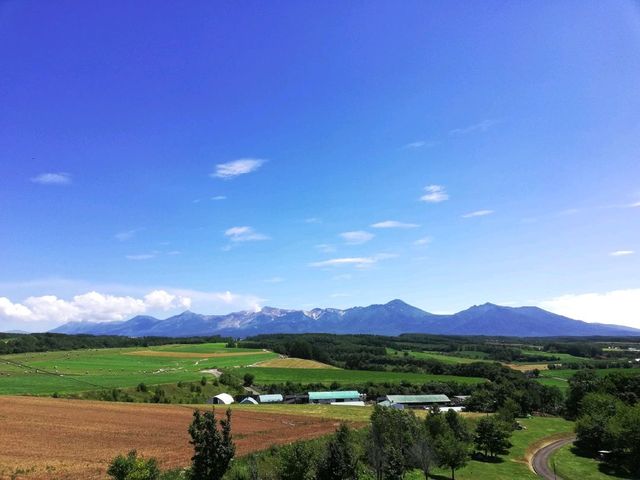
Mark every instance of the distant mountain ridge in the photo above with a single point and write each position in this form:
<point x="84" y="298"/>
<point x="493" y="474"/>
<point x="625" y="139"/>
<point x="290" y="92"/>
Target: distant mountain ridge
<point x="391" y="318"/>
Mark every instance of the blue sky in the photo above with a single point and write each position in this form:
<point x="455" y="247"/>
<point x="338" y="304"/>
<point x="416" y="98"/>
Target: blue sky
<point x="231" y="155"/>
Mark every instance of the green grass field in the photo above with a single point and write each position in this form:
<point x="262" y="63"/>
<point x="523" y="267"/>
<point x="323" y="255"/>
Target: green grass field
<point x="327" y="376"/>
<point x="570" y="466"/>
<point x="514" y="465"/>
<point x="441" y="357"/>
<point x="85" y="370"/>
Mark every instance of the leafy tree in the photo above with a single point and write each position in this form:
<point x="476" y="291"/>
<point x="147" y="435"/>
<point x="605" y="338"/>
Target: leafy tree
<point x="509" y="411"/>
<point x="451" y="452"/>
<point x="213" y="447"/>
<point x="389" y="442"/>
<point x="133" y="467"/>
<point x="297" y="462"/>
<point x="596" y="410"/>
<point x="422" y="451"/>
<point x="458" y="426"/>
<point x="340" y="460"/>
<point x="492" y="436"/>
<point x="582" y="383"/>
<point x="248" y="379"/>
<point x="203" y="381"/>
<point x="623" y="437"/>
<point x="141" y="387"/>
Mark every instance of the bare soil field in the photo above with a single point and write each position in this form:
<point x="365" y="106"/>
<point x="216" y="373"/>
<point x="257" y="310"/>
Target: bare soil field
<point x="160" y="353"/>
<point x="292" y="363"/>
<point x="48" y="438"/>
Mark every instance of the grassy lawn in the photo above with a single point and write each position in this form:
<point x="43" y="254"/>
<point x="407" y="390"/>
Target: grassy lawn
<point x="570" y="466"/>
<point x="327" y="376"/>
<point x="338" y="412"/>
<point x="84" y="370"/>
<point x="514" y="465"/>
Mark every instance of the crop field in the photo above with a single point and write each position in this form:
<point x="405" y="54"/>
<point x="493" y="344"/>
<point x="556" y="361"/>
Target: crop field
<point x="329" y="375"/>
<point x="83" y="370"/>
<point x="560" y="378"/>
<point x="47" y="438"/>
<point x="293" y="363"/>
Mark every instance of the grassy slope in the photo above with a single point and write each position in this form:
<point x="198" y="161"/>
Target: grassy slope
<point x="448" y="359"/>
<point x="82" y="370"/>
<point x="570" y="466"/>
<point x="327" y="376"/>
<point x="514" y="465"/>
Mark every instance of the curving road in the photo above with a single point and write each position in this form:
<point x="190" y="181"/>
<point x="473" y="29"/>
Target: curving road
<point x="540" y="460"/>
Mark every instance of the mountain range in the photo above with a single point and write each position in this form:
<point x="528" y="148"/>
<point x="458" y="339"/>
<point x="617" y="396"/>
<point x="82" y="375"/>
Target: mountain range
<point x="391" y="318"/>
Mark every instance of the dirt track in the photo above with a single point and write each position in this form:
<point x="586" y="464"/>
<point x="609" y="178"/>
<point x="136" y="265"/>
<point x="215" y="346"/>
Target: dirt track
<point x="70" y="439"/>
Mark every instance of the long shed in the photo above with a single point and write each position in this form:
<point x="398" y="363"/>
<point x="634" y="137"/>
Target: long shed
<point x="335" y="397"/>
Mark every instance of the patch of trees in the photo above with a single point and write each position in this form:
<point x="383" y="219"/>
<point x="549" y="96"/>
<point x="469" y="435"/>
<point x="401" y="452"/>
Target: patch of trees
<point x="46" y="342"/>
<point x="623" y="387"/>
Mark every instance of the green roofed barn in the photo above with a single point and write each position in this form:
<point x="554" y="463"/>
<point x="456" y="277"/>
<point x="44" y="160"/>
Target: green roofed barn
<point x="416" y="401"/>
<point x="335" y="397"/>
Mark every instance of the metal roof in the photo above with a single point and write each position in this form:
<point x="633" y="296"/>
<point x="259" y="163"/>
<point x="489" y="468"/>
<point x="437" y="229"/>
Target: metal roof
<point x="334" y="395"/>
<point x="270" y="398"/>
<point x="249" y="400"/>
<point x="224" y="398"/>
<point x="418" y="398"/>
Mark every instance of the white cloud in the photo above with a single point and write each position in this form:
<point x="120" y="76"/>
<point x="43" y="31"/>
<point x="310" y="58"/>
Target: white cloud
<point x="477" y="213"/>
<point x="274" y="280"/>
<point x="357" y="237"/>
<point x="237" y="167"/>
<point x="620" y="307"/>
<point x="635" y="205"/>
<point x="59" y="178"/>
<point x="141" y="256"/>
<point x="435" y="194"/>
<point x="418" y="144"/>
<point x="313" y="220"/>
<point x="125" y="235"/>
<point x="622" y="253"/>
<point x="482" y="126"/>
<point x="219" y="197"/>
<point x="358" y="262"/>
<point x="244" y="234"/>
<point x="394" y="224"/>
<point x="91" y="306"/>
<point x="340" y="295"/>
<point x="423" y="241"/>
<point x="336" y="262"/>
<point x="326" y="248"/>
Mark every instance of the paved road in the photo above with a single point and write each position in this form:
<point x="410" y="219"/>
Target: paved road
<point x="540" y="460"/>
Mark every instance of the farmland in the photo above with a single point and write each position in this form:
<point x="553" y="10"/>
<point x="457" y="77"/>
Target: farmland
<point x="351" y="377"/>
<point x="83" y="370"/>
<point x="66" y="439"/>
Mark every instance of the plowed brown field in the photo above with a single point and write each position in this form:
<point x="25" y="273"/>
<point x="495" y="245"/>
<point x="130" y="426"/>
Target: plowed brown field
<point x="47" y="438"/>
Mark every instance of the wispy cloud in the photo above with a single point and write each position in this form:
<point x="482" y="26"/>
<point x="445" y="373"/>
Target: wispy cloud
<point x="219" y="197"/>
<point x="478" y="213"/>
<point x="59" y="178"/>
<point x="126" y="235"/>
<point x="326" y="248"/>
<point x="394" y="224"/>
<point x="274" y="280"/>
<point x="357" y="237"/>
<point x="237" y="167"/>
<point x="244" y="234"/>
<point x="313" y="220"/>
<point x="435" y="194"/>
<point x="423" y="241"/>
<point x="141" y="256"/>
<point x="622" y="253"/>
<point x="358" y="262"/>
<point x="482" y="126"/>
<point x="340" y="295"/>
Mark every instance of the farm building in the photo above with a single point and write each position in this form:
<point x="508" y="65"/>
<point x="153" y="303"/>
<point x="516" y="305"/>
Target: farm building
<point x="272" y="398"/>
<point x="249" y="400"/>
<point x="417" y="401"/>
<point x="221" y="399"/>
<point x="335" y="397"/>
